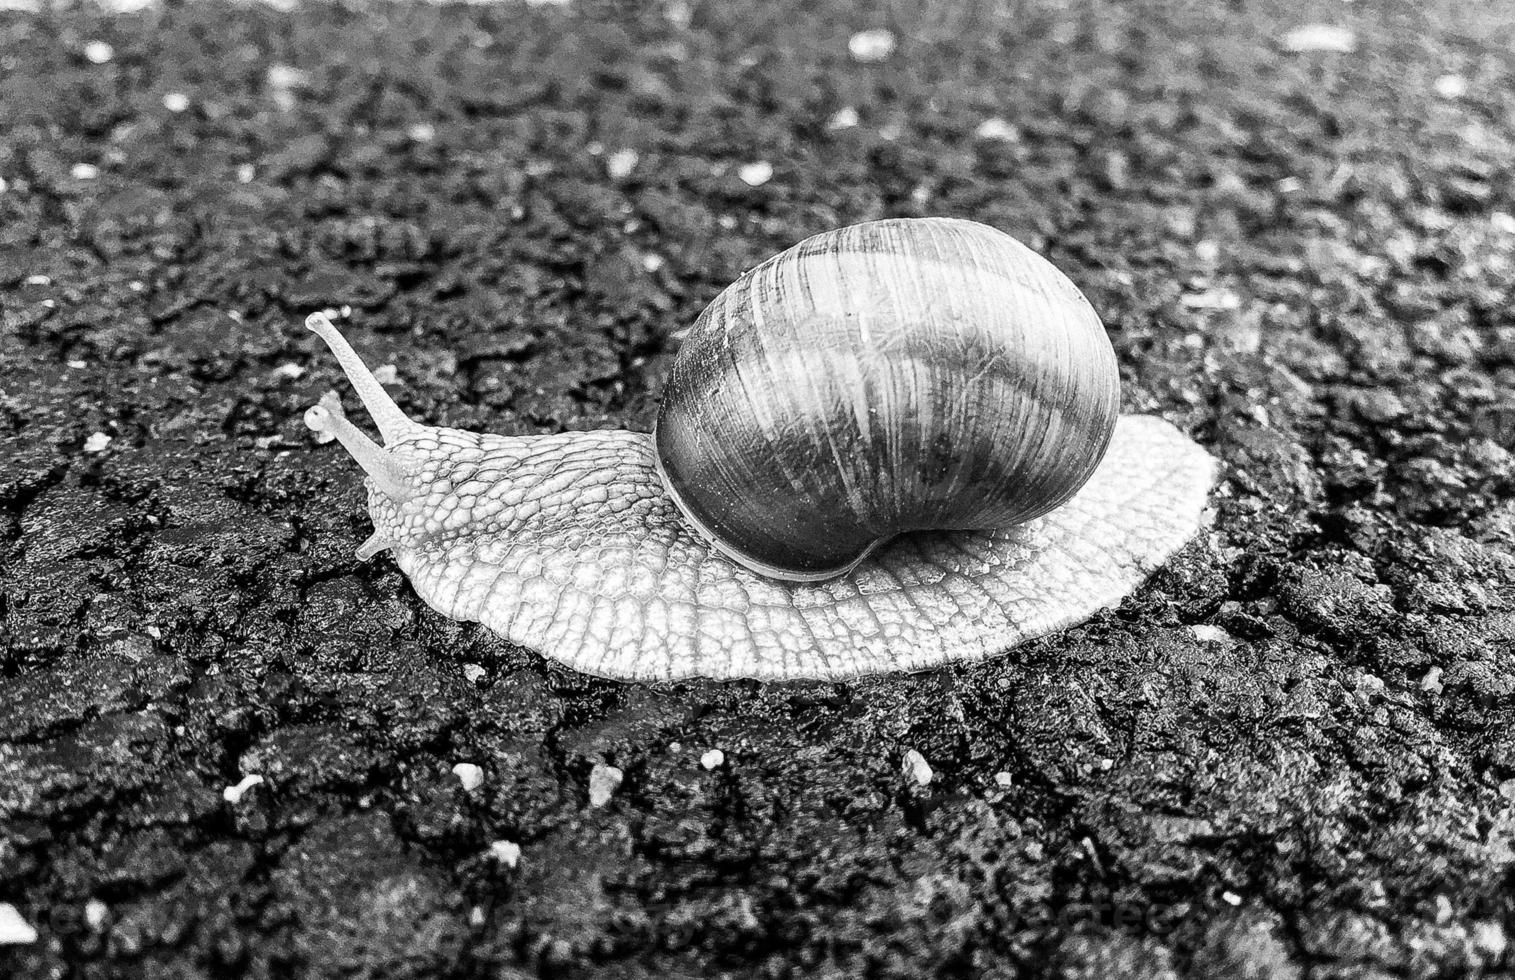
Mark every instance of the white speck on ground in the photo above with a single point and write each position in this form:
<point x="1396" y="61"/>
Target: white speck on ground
<point x="14" y="930"/>
<point x="473" y="673"/>
<point x="917" y="768"/>
<point x="98" y="52"/>
<point x="96" y="443"/>
<point x="386" y="374"/>
<point x="872" y="46"/>
<point x="95" y="912"/>
<point x="175" y="101"/>
<point x="1210" y="634"/>
<point x="1451" y="86"/>
<point x="713" y="759"/>
<point x="995" y="128"/>
<point x="84" y="171"/>
<point x="843" y="118"/>
<point x="288" y="371"/>
<point x="756" y="174"/>
<point x="422" y="132"/>
<point x="39" y="280"/>
<point x="1231" y="898"/>
<point x="470" y="775"/>
<point x="506" y="852"/>
<point x="1004" y="780"/>
<point x="1490" y="937"/>
<point x="245" y="173"/>
<point x="1320" y="37"/>
<point x="621" y="163"/>
<point x="603" y="782"/>
<point x="234" y="794"/>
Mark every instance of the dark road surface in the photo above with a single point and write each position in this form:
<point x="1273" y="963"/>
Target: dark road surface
<point x="1291" y="755"/>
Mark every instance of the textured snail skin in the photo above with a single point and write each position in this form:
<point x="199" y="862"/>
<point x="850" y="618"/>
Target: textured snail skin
<point x="569" y="545"/>
<point x="884" y="377"/>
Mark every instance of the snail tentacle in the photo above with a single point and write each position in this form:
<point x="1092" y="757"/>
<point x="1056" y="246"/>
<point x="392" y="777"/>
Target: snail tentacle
<point x="392" y="422"/>
<point x="386" y="472"/>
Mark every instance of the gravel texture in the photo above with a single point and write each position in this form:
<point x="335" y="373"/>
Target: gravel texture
<point x="1292" y="755"/>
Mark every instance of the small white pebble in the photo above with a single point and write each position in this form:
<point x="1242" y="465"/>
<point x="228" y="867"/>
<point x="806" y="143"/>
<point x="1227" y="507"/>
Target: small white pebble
<point x="1207" y="251"/>
<point x="1209" y="634"/>
<point x="652" y="262"/>
<point x="547" y="3"/>
<point x="283" y="81"/>
<point x="1490" y="938"/>
<point x="506" y="852"/>
<point x="843" y="118"/>
<point x="288" y="371"/>
<point x="756" y="174"/>
<point x="679" y="13"/>
<point x="286" y="76"/>
<point x="1321" y="37"/>
<point x="621" y="163"/>
<point x="84" y="171"/>
<point x="1004" y="780"/>
<point x="245" y="173"/>
<point x="675" y="747"/>
<point x="1431" y="683"/>
<point x="98" y="52"/>
<point x="1501" y="220"/>
<point x="476" y="916"/>
<point x="175" y="101"/>
<point x="871" y="46"/>
<point x="124" y="6"/>
<point x="39" y="280"/>
<point x="1105" y="765"/>
<point x="14" y="930"/>
<point x="1444" y="910"/>
<point x="1507" y="789"/>
<point x="78" y="365"/>
<point x="603" y="782"/>
<point x="713" y="759"/>
<point x="386" y="374"/>
<point x="1230" y="898"/>
<point x="234" y="794"/>
<point x="96" y="443"/>
<point x="1451" y="86"/>
<point x="1211" y="299"/>
<point x="470" y="775"/>
<point x="95" y="912"/>
<point x="473" y="673"/>
<point x="995" y="128"/>
<point x="3" y="185"/>
<point x="917" y="768"/>
<point x="138" y="286"/>
<point x="422" y="132"/>
<point x="1289" y="185"/>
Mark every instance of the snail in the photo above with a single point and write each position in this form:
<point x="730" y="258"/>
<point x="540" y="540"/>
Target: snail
<point x="892" y="445"/>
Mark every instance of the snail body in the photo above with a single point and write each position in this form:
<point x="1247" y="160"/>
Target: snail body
<point x="890" y="446"/>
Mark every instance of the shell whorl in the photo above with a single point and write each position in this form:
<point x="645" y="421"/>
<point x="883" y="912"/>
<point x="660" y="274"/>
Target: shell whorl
<point x="886" y="377"/>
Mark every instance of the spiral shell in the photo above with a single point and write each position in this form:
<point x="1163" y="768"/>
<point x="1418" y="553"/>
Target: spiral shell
<point x="891" y="376"/>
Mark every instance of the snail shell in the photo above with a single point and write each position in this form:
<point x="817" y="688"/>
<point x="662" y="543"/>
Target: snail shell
<point x="891" y="376"/>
